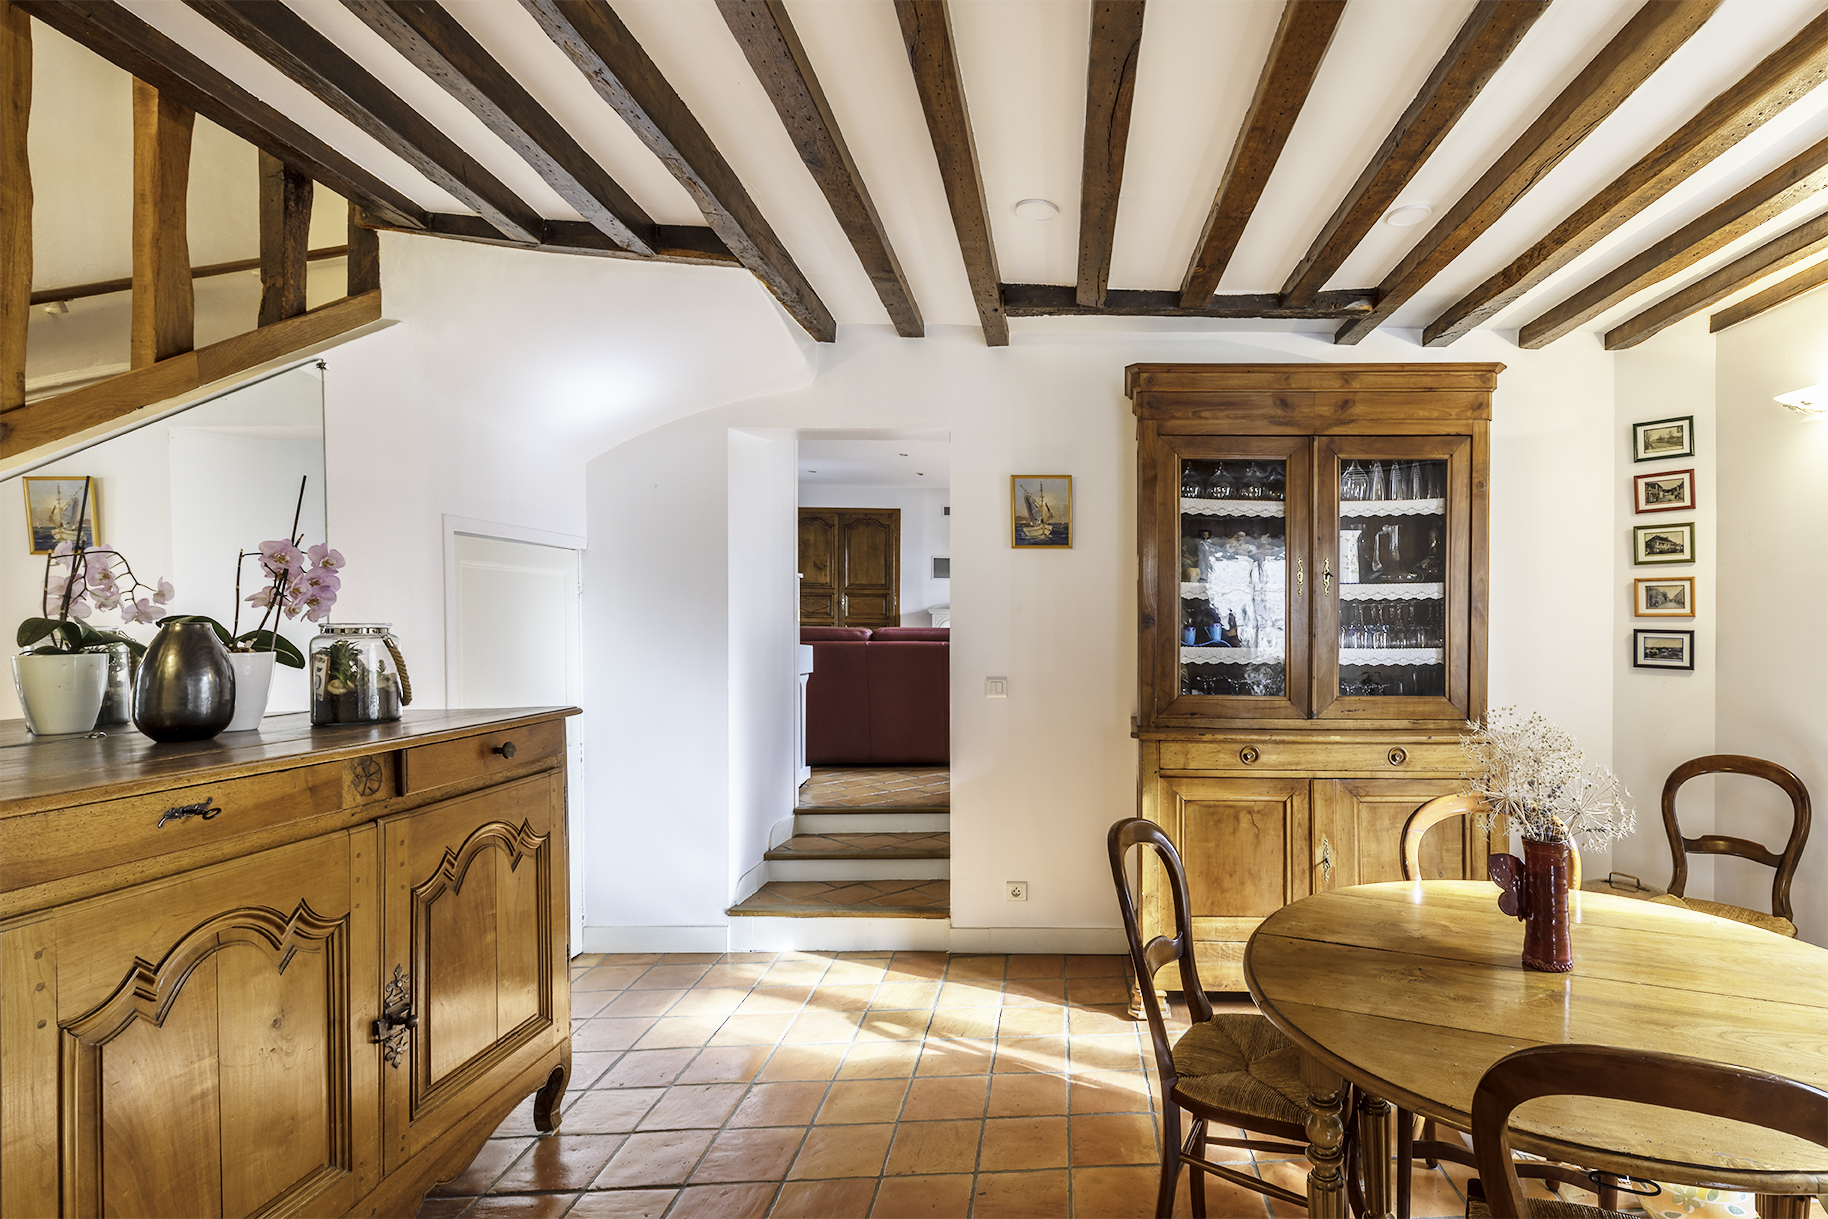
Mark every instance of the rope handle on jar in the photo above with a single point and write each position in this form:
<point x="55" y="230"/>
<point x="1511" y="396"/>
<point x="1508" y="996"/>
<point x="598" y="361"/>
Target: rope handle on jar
<point x="406" y="683"/>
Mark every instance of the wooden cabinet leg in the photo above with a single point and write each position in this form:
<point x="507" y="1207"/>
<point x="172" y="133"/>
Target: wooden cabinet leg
<point x="1374" y="1154"/>
<point x="1326" y="1140"/>
<point x="546" y="1101"/>
<point x="1782" y="1206"/>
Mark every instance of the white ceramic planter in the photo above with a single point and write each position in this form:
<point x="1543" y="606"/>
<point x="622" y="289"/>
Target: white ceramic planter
<point x="61" y="692"/>
<point x="253" y="676"/>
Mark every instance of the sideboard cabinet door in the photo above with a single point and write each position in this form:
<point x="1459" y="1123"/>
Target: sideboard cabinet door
<point x="474" y="948"/>
<point x="206" y="1025"/>
<point x="1359" y="825"/>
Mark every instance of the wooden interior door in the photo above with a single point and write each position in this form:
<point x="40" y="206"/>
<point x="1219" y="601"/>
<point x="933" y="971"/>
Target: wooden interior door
<point x="207" y="1024"/>
<point x="850" y="567"/>
<point x="1358" y="829"/>
<point x="1244" y="843"/>
<point x="474" y="945"/>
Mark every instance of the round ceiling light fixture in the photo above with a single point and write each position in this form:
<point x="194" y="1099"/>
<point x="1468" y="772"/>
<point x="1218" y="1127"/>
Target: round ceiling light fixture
<point x="1408" y="215"/>
<point x="1037" y="209"/>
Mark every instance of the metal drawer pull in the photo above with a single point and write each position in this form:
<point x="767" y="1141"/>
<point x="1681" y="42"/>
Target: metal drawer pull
<point x="505" y="749"/>
<point x="1398" y="757"/>
<point x="1248" y="754"/>
<point x="202" y="808"/>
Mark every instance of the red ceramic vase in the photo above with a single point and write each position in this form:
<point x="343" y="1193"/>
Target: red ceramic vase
<point x="1537" y="893"/>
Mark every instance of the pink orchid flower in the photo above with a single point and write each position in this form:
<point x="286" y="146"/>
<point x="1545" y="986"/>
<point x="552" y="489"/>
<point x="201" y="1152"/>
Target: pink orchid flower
<point x="140" y="611"/>
<point x="165" y="593"/>
<point x="79" y="609"/>
<point x="261" y="598"/>
<point x="324" y="557"/>
<point x="280" y="556"/>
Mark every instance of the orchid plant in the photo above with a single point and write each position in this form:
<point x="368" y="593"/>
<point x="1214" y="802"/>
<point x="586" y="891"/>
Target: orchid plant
<point x="1531" y="772"/>
<point x="78" y="581"/>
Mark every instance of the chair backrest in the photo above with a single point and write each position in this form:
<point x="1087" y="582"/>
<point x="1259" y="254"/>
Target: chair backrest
<point x="1440" y="809"/>
<point x="1721" y="844"/>
<point x="1145" y="959"/>
<point x="1671" y="1081"/>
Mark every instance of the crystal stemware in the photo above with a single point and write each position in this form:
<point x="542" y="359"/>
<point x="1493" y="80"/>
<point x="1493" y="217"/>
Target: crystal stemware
<point x="1220" y="485"/>
<point x="1378" y="489"/>
<point x="1353" y="484"/>
<point x="1193" y="486"/>
<point x="1276" y="486"/>
<point x="1253" y="483"/>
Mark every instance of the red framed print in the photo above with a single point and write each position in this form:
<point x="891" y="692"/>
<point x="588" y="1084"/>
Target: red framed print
<point x="1667" y="491"/>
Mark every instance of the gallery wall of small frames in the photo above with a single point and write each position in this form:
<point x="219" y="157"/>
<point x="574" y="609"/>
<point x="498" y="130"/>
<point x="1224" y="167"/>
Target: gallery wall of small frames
<point x="1663" y="544"/>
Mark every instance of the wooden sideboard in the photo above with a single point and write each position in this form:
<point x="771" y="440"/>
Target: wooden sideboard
<point x="299" y="972"/>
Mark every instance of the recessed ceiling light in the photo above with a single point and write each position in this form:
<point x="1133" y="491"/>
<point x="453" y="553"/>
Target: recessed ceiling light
<point x="1037" y="209"/>
<point x="901" y="454"/>
<point x="1407" y="215"/>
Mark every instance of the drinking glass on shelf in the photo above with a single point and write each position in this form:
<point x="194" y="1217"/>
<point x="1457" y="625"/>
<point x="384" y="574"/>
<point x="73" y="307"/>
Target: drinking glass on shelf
<point x="1353" y="484"/>
<point x="1276" y="486"/>
<point x="1253" y="483"/>
<point x="1220" y="485"/>
<point x="1399" y="480"/>
<point x="1193" y="484"/>
<point x="1378" y="489"/>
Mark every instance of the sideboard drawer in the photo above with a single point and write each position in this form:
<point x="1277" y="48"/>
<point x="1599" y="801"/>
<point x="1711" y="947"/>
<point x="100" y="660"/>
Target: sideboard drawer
<point x="1247" y="755"/>
<point x="473" y="757"/>
<point x="70" y="841"/>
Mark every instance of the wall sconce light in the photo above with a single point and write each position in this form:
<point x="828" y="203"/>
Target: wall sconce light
<point x="1809" y="401"/>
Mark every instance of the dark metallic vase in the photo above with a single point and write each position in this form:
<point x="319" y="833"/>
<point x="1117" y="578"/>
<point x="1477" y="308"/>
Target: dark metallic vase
<point x="186" y="687"/>
<point x="1535" y="889"/>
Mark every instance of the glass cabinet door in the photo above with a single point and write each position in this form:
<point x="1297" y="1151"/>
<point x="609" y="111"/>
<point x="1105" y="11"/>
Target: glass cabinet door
<point x="1391" y="627"/>
<point x="1240" y="643"/>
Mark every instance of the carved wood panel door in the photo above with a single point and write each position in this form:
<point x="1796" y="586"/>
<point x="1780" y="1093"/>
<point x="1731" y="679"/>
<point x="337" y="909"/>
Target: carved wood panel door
<point x="850" y="567"/>
<point x="211" y="1040"/>
<point x="1358" y="827"/>
<point x="473" y="952"/>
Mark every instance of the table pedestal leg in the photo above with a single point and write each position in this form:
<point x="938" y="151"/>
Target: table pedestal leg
<point x="1326" y="1140"/>
<point x="1782" y="1206"/>
<point x="1374" y="1154"/>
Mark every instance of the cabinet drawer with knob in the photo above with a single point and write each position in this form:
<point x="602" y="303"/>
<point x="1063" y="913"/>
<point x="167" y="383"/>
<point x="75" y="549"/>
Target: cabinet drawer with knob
<point x="424" y="767"/>
<point x="1324" y="757"/>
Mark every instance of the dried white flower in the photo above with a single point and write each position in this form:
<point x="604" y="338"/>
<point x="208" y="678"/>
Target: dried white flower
<point x="1531" y="772"/>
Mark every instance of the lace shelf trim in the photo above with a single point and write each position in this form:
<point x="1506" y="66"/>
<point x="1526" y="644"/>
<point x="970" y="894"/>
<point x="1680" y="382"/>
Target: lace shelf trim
<point x="1230" y="656"/>
<point x="1233" y="507"/>
<point x="1392" y="656"/>
<point x="1373" y="592"/>
<point x="1389" y="507"/>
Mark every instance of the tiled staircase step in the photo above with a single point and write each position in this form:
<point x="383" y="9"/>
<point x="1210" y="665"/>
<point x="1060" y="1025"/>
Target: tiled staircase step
<point x="868" y="821"/>
<point x="848" y="899"/>
<point x="885" y="810"/>
<point x="851" y="845"/>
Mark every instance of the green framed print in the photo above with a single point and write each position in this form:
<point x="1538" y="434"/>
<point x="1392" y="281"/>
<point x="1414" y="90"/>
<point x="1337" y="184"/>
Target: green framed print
<point x="1663" y="544"/>
<point x="1660" y="439"/>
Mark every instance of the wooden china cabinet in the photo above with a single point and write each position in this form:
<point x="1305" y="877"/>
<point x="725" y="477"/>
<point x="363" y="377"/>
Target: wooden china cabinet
<point x="1312" y="542"/>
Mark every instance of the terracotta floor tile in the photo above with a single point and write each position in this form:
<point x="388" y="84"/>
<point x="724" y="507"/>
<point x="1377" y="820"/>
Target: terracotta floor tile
<point x="802" y="1062"/>
<point x="671" y="1032"/>
<point x="1024" y="992"/>
<point x="694" y="1107"/>
<point x="1099" y="991"/>
<point x="587" y="1066"/>
<point x="1111" y="966"/>
<point x="789" y="1104"/>
<point x="1036" y="965"/>
<point x="969" y="995"/>
<point x="630" y="958"/>
<point x="916" y="966"/>
<point x="1109" y="1092"/>
<point x="604" y="1034"/>
<point x="663" y="1158"/>
<point x="856" y="972"/>
<point x="726" y="1065"/>
<point x="1292" y="1175"/>
<point x="640" y="1002"/>
<point x="562" y="1162"/>
<point x="843" y="1151"/>
<point x="1012" y="1143"/>
<point x="608" y="977"/>
<point x="1112" y="1019"/>
<point x="862" y="1100"/>
<point x="1096" y="1140"/>
<point x="1106" y="1052"/>
<point x="707" y="1001"/>
<point x="1022" y="1195"/>
<point x="442" y="1208"/>
<point x="623" y="1204"/>
<point x="519" y="1123"/>
<point x="795" y="973"/>
<point x="493" y="1160"/>
<point x="956" y="1057"/>
<point x="690" y="958"/>
<point x="589" y="1002"/>
<point x="669" y="977"/>
<point x="752" y="1030"/>
<point x="1027" y="1095"/>
<point x="724" y="1201"/>
<point x="880" y="1060"/>
<point x="811" y="1027"/>
<point x="608" y="1110"/>
<point x="750" y="1155"/>
<point x="523" y="1206"/>
<point x="742" y="976"/>
<point x="945" y="1098"/>
<point x="855" y="998"/>
<point x="824" y="1199"/>
<point x="966" y="968"/>
<point x="1432" y="1193"/>
<point x="1129" y="1193"/>
<point x="966" y="1022"/>
<point x="774" y="1001"/>
<point x="1046" y="1055"/>
<point x="907" y="1025"/>
<point x="923" y="1198"/>
<point x="934" y="1147"/>
<point x="646" y="1069"/>
<point x="905" y="995"/>
<point x="1041" y="1021"/>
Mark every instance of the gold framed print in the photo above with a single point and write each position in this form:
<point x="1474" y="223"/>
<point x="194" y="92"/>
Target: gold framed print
<point x="1041" y="511"/>
<point x="60" y="509"/>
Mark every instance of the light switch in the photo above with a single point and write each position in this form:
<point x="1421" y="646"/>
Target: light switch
<point x="996" y="687"/>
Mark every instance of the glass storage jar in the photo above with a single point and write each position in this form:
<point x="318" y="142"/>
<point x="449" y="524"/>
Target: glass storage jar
<point x="357" y="675"/>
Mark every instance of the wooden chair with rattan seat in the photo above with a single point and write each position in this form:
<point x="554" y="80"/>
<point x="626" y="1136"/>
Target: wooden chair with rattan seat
<point x="1227" y="1069"/>
<point x="1780" y="918"/>
<point x="1668" y="1081"/>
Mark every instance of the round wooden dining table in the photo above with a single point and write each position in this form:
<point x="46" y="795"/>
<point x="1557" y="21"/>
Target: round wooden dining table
<point x="1411" y="990"/>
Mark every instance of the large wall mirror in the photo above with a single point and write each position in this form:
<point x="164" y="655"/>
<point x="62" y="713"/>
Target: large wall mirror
<point x="180" y="497"/>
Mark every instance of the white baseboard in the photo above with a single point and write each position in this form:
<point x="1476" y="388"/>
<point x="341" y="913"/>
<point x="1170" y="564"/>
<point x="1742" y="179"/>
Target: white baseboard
<point x="750" y="881"/>
<point x="715" y="938"/>
<point x="780" y="832"/>
<point x="838" y="934"/>
<point x="1081" y="940"/>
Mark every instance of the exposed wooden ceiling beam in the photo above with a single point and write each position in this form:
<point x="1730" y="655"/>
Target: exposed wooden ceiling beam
<point x="290" y="44"/>
<point x="1640" y="48"/>
<point x="691" y="244"/>
<point x="164" y="307"/>
<point x="1110" y="89"/>
<point x="1766" y="199"/>
<point x="1301" y="41"/>
<point x="615" y="65"/>
<point x="1781" y="78"/>
<point x="1486" y="39"/>
<point x="926" y="30"/>
<point x="15" y="201"/>
<point x="772" y="47"/>
<point x="1784" y="290"/>
<point x="129" y="43"/>
<point x="102" y="287"/>
<point x="1053" y="300"/>
<point x="1803" y="241"/>
<point x="435" y="43"/>
<point x="285" y="232"/>
<point x="362" y="273"/>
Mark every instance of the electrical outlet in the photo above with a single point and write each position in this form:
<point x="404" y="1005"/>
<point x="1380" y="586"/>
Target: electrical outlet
<point x="996" y="687"/>
<point x="1016" y="890"/>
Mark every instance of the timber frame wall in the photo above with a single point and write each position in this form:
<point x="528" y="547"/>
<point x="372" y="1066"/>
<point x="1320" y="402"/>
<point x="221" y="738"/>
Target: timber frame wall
<point x="165" y="360"/>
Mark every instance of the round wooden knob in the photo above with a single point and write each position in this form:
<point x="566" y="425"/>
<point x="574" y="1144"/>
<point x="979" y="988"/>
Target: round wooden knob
<point x="1398" y="757"/>
<point x="1248" y="754"/>
<point x="506" y="750"/>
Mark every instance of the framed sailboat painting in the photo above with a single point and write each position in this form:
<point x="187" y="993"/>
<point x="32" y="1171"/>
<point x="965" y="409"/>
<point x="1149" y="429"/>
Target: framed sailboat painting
<point x="1041" y="511"/>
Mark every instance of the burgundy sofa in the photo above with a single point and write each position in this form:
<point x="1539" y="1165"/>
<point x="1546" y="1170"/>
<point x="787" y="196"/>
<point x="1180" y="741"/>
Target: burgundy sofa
<point x="878" y="698"/>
